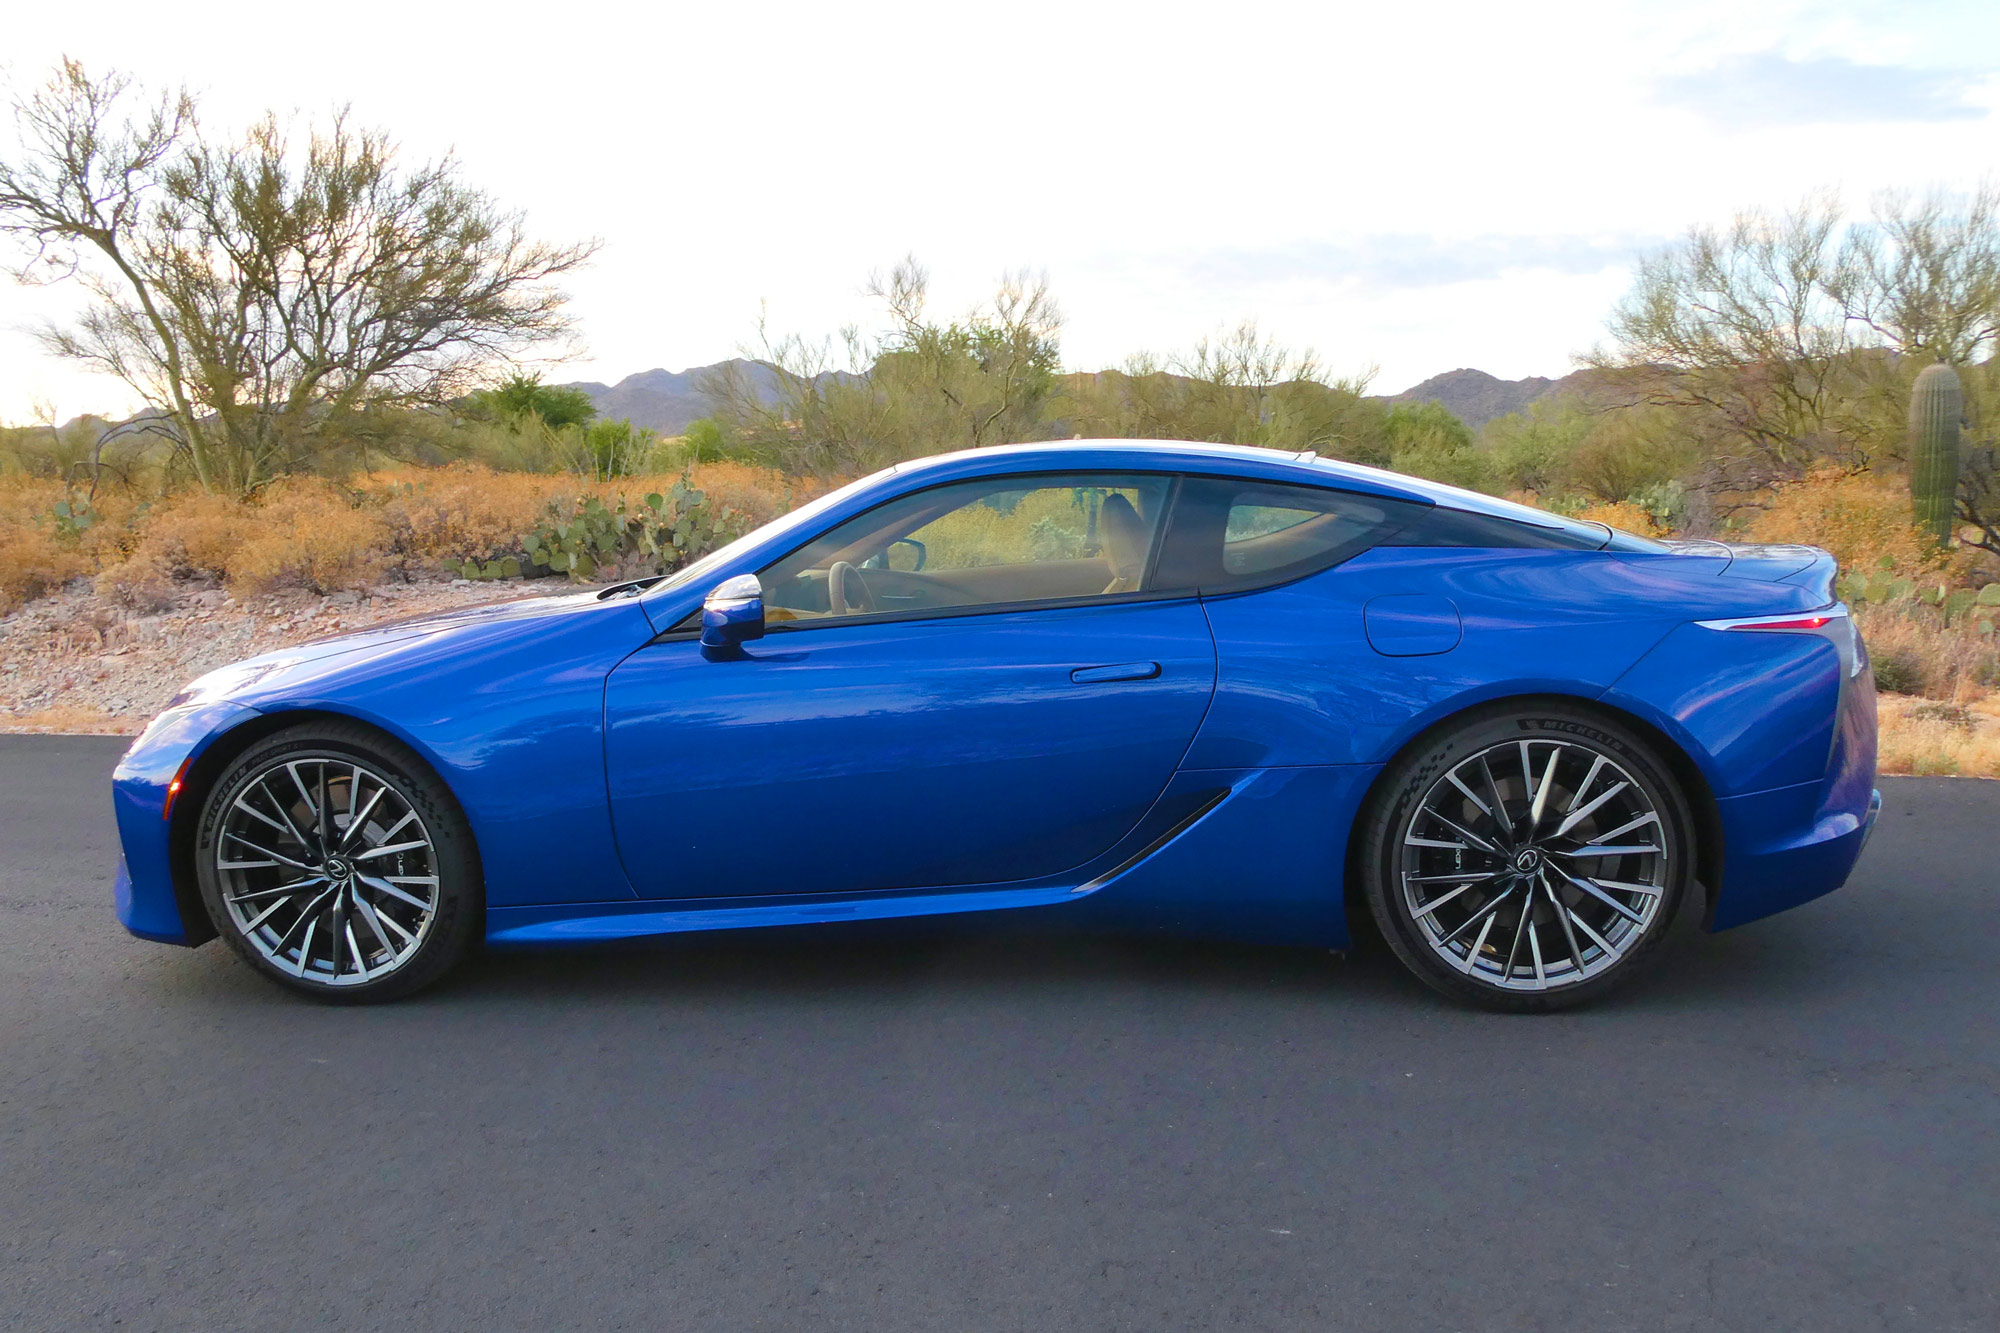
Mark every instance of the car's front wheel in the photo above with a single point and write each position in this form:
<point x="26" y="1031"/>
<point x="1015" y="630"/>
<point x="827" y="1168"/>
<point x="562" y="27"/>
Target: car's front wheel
<point x="338" y="865"/>
<point x="1528" y="859"/>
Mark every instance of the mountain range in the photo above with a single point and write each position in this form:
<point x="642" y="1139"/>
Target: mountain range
<point x="1475" y="397"/>
<point x="667" y="400"/>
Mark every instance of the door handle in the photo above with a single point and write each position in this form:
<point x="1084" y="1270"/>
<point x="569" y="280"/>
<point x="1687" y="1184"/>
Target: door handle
<point x="1121" y="671"/>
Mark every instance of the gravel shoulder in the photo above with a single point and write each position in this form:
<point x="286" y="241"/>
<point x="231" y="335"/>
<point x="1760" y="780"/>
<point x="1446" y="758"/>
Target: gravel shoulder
<point x="76" y="663"/>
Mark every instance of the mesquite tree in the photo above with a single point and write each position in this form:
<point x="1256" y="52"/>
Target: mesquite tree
<point x="1793" y="338"/>
<point x="257" y="292"/>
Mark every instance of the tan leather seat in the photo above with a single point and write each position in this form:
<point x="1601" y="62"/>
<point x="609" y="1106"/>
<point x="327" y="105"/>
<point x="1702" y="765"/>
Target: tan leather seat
<point x="1124" y="534"/>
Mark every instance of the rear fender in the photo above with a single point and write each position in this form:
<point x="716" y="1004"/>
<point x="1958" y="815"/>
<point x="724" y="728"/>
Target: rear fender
<point x="1754" y="711"/>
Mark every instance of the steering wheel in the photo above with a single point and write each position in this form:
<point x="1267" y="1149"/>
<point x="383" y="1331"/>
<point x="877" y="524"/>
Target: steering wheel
<point x="847" y="591"/>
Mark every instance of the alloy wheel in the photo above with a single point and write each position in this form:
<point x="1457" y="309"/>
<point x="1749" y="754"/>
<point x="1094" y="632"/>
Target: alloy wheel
<point x="327" y="870"/>
<point x="1534" y="864"/>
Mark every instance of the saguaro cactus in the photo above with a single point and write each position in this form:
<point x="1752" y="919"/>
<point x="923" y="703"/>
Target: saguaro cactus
<point x="1936" y="404"/>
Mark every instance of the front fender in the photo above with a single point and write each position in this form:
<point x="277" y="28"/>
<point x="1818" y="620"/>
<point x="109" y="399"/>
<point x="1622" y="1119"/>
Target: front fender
<point x="149" y="902"/>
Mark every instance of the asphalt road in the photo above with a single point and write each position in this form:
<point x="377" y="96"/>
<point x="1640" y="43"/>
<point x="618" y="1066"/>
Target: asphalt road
<point x="1795" y="1125"/>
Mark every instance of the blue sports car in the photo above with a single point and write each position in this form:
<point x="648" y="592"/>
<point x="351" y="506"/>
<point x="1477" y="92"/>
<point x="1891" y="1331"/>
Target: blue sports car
<point x="1130" y="685"/>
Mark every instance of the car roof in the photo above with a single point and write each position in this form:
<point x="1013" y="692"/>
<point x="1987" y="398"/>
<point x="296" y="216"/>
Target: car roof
<point x="1303" y="467"/>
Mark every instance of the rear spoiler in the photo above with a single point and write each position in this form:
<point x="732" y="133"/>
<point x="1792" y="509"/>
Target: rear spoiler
<point x="1819" y="576"/>
<point x="1807" y="566"/>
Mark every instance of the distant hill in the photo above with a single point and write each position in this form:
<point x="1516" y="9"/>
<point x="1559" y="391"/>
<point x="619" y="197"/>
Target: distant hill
<point x="1475" y="397"/>
<point x="666" y="400"/>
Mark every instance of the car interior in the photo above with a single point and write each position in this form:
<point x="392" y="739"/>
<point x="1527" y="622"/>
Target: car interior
<point x="1009" y="540"/>
<point x="991" y="542"/>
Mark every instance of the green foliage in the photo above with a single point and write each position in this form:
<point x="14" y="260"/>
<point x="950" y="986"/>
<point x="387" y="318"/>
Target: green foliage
<point x="657" y="533"/>
<point x="1240" y="388"/>
<point x="1632" y="451"/>
<point x="1978" y="608"/>
<point x="1936" y="406"/>
<point x="506" y="567"/>
<point x="258" y="290"/>
<point x="72" y="516"/>
<point x="1666" y="501"/>
<point x="922" y="387"/>
<point x="703" y="441"/>
<point x="1426" y="440"/>
<point x="1572" y="456"/>
<point x="1531" y="451"/>
<point x="525" y="395"/>
<point x="614" y="449"/>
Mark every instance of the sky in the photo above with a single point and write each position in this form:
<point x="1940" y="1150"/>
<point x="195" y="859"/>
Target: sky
<point x="1410" y="188"/>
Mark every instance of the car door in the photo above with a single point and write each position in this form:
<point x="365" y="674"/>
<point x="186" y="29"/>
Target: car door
<point x="972" y="685"/>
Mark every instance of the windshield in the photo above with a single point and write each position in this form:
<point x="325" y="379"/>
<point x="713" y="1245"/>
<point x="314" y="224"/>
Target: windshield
<point x="784" y="523"/>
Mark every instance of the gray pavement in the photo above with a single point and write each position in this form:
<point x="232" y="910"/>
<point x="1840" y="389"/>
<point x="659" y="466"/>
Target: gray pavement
<point x="1795" y="1125"/>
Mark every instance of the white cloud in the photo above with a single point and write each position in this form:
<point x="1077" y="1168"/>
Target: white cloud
<point x="1769" y="89"/>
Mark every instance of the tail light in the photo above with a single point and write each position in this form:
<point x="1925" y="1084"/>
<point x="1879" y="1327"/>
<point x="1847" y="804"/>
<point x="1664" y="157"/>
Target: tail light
<point x="1832" y="623"/>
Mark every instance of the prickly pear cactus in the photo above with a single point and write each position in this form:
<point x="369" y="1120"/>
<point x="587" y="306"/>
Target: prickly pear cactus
<point x="1936" y="405"/>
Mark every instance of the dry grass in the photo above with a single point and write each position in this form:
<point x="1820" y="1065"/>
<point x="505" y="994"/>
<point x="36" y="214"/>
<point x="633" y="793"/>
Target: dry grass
<point x="1926" y="738"/>
<point x="1916" y="652"/>
<point x="67" y="720"/>
<point x="315" y="535"/>
<point x="1864" y="519"/>
<point x="1623" y="516"/>
<point x="33" y="561"/>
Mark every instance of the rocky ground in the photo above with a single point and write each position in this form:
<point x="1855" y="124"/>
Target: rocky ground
<point x="76" y="663"/>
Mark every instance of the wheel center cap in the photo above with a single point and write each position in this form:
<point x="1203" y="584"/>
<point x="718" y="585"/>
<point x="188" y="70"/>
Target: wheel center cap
<point x="1528" y="860"/>
<point x="337" y="868"/>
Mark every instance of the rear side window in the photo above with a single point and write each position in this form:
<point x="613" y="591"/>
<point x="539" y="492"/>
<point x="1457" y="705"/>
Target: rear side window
<point x="1457" y="527"/>
<point x="1227" y="534"/>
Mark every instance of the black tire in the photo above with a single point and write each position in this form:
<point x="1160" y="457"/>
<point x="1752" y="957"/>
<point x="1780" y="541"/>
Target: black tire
<point x="412" y="943"/>
<point x="1429" y="898"/>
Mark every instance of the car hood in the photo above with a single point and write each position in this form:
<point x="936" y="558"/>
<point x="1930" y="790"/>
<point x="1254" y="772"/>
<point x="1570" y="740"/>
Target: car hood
<point x="506" y="618"/>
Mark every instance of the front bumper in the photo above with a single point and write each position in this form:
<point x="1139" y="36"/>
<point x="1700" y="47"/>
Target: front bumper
<point x="148" y="901"/>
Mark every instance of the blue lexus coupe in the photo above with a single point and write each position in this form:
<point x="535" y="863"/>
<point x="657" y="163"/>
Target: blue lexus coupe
<point x="1132" y="685"/>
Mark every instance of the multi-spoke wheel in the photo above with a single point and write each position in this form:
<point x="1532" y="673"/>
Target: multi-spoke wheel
<point x="1530" y="860"/>
<point x="333" y="861"/>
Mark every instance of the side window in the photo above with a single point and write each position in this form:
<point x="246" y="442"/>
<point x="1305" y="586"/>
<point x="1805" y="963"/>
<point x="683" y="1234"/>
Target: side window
<point x="1458" y="527"/>
<point x="1229" y="534"/>
<point x="991" y="542"/>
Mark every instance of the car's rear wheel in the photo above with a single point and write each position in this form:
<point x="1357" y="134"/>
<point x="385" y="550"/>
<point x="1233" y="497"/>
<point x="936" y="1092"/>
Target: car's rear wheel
<point x="338" y="865"/>
<point x="1528" y="859"/>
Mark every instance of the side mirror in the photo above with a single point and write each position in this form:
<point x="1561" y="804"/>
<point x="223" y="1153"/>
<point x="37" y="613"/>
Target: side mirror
<point x="733" y="613"/>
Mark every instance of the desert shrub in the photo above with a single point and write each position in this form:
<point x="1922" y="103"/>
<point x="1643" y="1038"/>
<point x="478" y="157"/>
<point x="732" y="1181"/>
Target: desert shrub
<point x="1863" y="518"/>
<point x="302" y="532"/>
<point x="1625" y="516"/>
<point x="463" y="512"/>
<point x="1530" y="451"/>
<point x="1667" y="503"/>
<point x="1426" y="440"/>
<point x="191" y="535"/>
<point x="1898" y="670"/>
<point x="33" y="562"/>
<point x="316" y="535"/>
<point x="702" y="441"/>
<point x="1629" y="452"/>
<point x="759" y="494"/>
<point x="1040" y="525"/>
<point x="44" y="537"/>
<point x="1917" y="651"/>
<point x="309" y="534"/>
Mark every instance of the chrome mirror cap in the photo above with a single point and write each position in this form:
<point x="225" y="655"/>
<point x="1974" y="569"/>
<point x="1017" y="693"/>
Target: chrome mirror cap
<point x="733" y="613"/>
